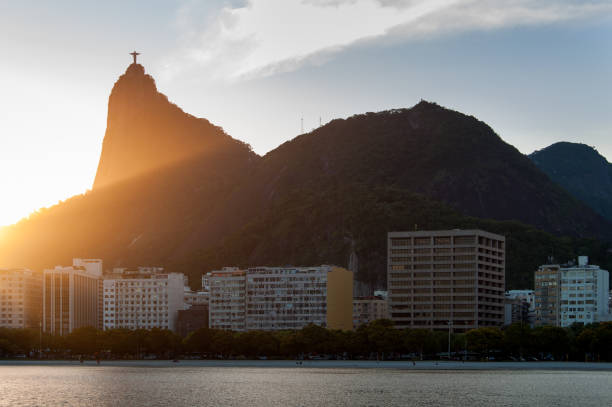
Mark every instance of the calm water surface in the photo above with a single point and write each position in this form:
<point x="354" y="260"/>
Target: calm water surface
<point x="57" y="385"/>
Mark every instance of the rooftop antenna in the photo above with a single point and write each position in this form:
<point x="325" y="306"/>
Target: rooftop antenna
<point x="319" y="121"/>
<point x="302" y="125"/>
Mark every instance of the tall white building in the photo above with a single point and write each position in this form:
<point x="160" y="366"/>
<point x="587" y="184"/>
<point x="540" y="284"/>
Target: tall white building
<point x="571" y="294"/>
<point x="20" y="298"/>
<point x="279" y="298"/>
<point x="71" y="297"/>
<point x="145" y="298"/>
<point x="584" y="293"/>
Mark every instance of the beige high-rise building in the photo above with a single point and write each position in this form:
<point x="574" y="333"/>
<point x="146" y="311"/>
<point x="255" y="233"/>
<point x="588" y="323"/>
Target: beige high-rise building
<point x="437" y="278"/>
<point x="71" y="298"/>
<point x="20" y="298"/>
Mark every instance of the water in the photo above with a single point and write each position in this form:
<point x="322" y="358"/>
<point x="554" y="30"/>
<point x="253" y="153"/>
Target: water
<point x="264" y="384"/>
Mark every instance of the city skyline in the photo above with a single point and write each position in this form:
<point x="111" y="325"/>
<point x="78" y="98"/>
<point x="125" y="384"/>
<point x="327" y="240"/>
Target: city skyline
<point x="537" y="72"/>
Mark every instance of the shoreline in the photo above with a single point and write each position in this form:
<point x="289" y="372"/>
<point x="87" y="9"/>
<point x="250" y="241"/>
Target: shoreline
<point x="326" y="364"/>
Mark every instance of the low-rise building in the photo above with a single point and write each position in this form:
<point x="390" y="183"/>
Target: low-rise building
<point x="20" y="298"/>
<point x="192" y="319"/>
<point x="368" y="309"/>
<point x="192" y="297"/>
<point x="520" y="307"/>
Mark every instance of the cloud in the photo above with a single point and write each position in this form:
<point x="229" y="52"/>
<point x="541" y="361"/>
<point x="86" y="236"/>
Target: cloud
<point x="264" y="37"/>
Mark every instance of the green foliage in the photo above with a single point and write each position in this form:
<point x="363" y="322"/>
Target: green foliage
<point x="376" y="340"/>
<point x="581" y="170"/>
<point x="312" y="200"/>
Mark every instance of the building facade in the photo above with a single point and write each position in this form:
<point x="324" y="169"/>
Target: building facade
<point x="142" y="299"/>
<point x="437" y="278"/>
<point x="70" y="299"/>
<point x="20" y="298"/>
<point x="368" y="309"/>
<point x="571" y="294"/>
<point x="279" y="298"/>
<point x="191" y="297"/>
<point x="227" y="303"/>
<point x="192" y="319"/>
<point x="520" y="307"/>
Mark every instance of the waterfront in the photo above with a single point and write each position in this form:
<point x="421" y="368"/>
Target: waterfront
<point x="263" y="383"/>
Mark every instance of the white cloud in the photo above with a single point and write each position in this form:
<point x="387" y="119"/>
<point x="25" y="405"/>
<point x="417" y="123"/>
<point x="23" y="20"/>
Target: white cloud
<point x="263" y="37"/>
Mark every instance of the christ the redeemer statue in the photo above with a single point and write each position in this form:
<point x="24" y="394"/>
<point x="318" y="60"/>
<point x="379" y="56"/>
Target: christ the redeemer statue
<point x="134" y="54"/>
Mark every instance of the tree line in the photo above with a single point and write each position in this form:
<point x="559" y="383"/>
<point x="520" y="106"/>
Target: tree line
<point x="376" y="340"/>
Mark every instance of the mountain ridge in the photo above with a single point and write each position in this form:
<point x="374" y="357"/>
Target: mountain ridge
<point x="581" y="170"/>
<point x="315" y="199"/>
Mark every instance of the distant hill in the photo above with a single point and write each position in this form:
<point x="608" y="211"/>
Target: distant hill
<point x="176" y="191"/>
<point x="581" y="170"/>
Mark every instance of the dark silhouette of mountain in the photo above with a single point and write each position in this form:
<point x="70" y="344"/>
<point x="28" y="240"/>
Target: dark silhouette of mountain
<point x="175" y="191"/>
<point x="581" y="170"/>
<point x="145" y="132"/>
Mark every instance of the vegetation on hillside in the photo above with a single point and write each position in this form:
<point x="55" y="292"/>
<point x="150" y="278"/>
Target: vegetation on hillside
<point x="581" y="170"/>
<point x="313" y="200"/>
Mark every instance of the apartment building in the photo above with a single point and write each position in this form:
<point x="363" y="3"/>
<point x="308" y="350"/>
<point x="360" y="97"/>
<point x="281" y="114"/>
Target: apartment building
<point x="142" y="299"/>
<point x="278" y="298"/>
<point x="571" y="294"/>
<point x="437" y="278"/>
<point x="71" y="297"/>
<point x="368" y="309"/>
<point x="227" y="303"/>
<point x="20" y="298"/>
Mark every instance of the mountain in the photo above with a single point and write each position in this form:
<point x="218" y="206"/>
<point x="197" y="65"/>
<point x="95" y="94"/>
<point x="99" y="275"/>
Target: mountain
<point x="176" y="191"/>
<point x="581" y="170"/>
<point x="145" y="132"/>
<point x="144" y="203"/>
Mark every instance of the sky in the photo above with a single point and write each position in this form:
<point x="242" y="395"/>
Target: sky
<point x="536" y="71"/>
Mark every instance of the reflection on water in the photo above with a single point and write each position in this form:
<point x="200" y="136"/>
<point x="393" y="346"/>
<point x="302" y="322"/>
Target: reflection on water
<point x="228" y="386"/>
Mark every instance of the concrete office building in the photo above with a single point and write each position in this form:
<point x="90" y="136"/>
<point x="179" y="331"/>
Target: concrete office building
<point x="20" y="298"/>
<point x="448" y="276"/>
<point x="571" y="294"/>
<point x="145" y="298"/>
<point x="278" y="298"/>
<point x="368" y="309"/>
<point x="71" y="298"/>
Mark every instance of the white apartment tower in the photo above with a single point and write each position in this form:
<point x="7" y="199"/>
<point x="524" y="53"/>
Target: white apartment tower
<point x="571" y="294"/>
<point x="142" y="299"/>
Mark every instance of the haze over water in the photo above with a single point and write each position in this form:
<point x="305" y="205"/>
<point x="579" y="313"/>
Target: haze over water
<point x="191" y="385"/>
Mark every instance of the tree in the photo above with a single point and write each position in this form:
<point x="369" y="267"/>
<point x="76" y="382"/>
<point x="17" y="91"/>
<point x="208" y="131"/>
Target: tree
<point x="484" y="340"/>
